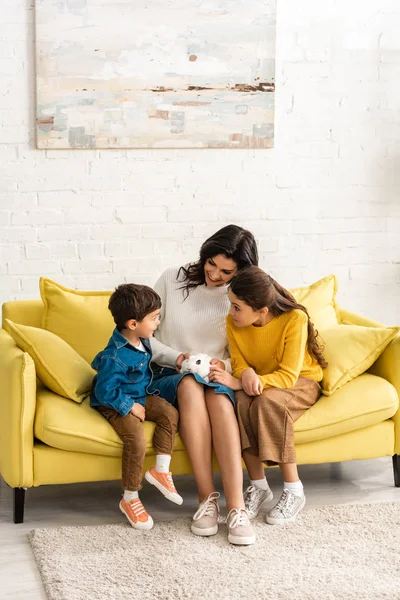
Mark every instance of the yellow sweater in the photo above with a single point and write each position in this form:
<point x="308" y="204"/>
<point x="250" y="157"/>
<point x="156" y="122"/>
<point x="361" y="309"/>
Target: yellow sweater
<point x="277" y="351"/>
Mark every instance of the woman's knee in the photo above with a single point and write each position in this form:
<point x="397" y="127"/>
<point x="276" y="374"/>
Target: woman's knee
<point x="218" y="403"/>
<point x="190" y="395"/>
<point x="188" y="384"/>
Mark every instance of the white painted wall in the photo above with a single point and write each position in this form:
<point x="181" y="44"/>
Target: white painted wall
<point x="326" y="199"/>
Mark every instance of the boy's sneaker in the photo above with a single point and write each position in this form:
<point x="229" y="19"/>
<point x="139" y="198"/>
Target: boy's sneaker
<point x="205" y="519"/>
<point x="240" y="530"/>
<point x="286" y="509"/>
<point x="164" y="483"/>
<point x="255" y="499"/>
<point x="136" y="514"/>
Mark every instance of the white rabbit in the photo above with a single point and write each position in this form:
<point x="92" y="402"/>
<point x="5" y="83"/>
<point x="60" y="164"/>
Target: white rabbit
<point x="197" y="363"/>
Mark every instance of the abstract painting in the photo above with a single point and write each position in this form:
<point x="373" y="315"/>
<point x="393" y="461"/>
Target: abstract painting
<point x="155" y="73"/>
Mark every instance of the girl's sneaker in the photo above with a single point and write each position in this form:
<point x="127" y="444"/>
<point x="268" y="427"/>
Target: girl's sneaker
<point x="164" y="483"/>
<point x="136" y="514"/>
<point x="240" y="530"/>
<point x="255" y="499"/>
<point x="286" y="509"/>
<point x="205" y="519"/>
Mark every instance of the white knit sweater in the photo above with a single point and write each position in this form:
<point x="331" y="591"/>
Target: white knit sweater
<point x="194" y="325"/>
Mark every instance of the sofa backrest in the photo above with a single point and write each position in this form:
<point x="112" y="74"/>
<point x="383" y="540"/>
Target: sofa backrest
<point x="25" y="312"/>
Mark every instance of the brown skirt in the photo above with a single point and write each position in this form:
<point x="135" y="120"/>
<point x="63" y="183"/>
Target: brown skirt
<point x="266" y="421"/>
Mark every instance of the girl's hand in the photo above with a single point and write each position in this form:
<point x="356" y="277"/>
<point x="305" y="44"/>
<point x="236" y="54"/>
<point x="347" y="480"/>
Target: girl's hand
<point x="251" y="383"/>
<point x="218" y="375"/>
<point x="180" y="360"/>
<point x="214" y="362"/>
<point x="138" y="411"/>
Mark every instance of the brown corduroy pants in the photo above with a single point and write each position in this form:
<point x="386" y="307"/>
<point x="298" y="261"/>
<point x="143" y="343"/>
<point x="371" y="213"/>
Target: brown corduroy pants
<point x="266" y="421"/>
<point x="130" y="430"/>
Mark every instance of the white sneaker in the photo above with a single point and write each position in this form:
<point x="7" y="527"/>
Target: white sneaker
<point x="255" y="499"/>
<point x="205" y="519"/>
<point x="240" y="530"/>
<point x="286" y="509"/>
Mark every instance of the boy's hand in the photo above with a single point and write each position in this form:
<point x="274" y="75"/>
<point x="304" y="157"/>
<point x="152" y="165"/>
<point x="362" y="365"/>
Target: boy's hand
<point x="217" y="375"/>
<point x="251" y="383"/>
<point x="214" y="362"/>
<point x="138" y="411"/>
<point x="180" y="360"/>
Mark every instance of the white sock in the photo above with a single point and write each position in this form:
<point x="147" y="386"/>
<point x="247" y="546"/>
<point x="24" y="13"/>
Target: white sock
<point x="128" y="495"/>
<point x="296" y="488"/>
<point x="162" y="463"/>
<point x="261" y="484"/>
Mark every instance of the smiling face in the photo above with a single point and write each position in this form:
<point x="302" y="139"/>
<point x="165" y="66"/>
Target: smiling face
<point x="219" y="270"/>
<point x="243" y="315"/>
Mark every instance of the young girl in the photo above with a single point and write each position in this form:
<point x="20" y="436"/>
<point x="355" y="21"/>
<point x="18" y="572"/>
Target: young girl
<point x="277" y="365"/>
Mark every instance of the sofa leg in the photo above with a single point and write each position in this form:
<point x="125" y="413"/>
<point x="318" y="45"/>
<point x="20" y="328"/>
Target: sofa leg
<point x="396" y="469"/>
<point x="19" y="502"/>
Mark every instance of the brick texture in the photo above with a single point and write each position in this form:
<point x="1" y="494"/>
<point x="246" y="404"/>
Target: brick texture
<point x="326" y="199"/>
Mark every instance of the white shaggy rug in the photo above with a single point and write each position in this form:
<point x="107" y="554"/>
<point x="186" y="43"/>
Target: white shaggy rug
<point x="332" y="553"/>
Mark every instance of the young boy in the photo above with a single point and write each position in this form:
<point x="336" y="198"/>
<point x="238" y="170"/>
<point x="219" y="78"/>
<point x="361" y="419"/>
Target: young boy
<point x="119" y="394"/>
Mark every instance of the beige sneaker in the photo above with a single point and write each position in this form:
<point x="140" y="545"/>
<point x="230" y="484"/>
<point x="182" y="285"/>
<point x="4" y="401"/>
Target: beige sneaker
<point x="240" y="530"/>
<point x="205" y="519"/>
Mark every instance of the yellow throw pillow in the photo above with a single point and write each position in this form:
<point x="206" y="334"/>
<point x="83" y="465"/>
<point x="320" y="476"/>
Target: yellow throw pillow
<point x="319" y="300"/>
<point x="58" y="366"/>
<point x="82" y="319"/>
<point x="350" y="350"/>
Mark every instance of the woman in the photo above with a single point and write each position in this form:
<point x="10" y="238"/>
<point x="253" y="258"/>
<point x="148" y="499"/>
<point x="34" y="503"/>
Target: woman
<point x="194" y="308"/>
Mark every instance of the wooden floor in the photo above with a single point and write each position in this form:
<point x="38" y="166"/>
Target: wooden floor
<point x="93" y="504"/>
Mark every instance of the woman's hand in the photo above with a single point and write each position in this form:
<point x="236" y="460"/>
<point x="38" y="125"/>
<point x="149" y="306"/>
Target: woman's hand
<point x="215" y="362"/>
<point x="218" y="375"/>
<point x="180" y="360"/>
<point x="251" y="383"/>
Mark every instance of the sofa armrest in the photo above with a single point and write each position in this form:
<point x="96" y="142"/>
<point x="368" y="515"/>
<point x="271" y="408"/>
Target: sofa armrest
<point x="351" y="317"/>
<point x="388" y="367"/>
<point x="17" y="413"/>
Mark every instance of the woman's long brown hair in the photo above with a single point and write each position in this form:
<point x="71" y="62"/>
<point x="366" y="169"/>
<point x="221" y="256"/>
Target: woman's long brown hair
<point x="257" y="289"/>
<point x="232" y="242"/>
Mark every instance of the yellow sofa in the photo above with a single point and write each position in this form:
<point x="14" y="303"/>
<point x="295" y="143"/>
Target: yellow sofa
<point x="47" y="439"/>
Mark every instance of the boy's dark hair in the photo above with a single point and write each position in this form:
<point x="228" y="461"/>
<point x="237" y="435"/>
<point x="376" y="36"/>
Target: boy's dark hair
<point x="132" y="301"/>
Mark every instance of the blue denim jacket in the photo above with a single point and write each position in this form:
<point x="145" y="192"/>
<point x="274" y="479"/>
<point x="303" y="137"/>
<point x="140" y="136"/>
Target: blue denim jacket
<point x="124" y="374"/>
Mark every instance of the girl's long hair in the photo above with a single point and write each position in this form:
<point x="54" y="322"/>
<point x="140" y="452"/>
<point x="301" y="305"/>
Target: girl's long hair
<point x="257" y="289"/>
<point x="233" y="242"/>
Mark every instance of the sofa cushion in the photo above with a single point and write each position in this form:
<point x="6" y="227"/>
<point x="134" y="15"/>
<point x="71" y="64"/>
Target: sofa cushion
<point x="364" y="401"/>
<point x="79" y="428"/>
<point x="82" y="319"/>
<point x="350" y="350"/>
<point x="58" y="366"/>
<point x="319" y="300"/>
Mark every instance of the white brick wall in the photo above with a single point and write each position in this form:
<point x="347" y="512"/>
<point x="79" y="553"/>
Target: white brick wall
<point x="326" y="199"/>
